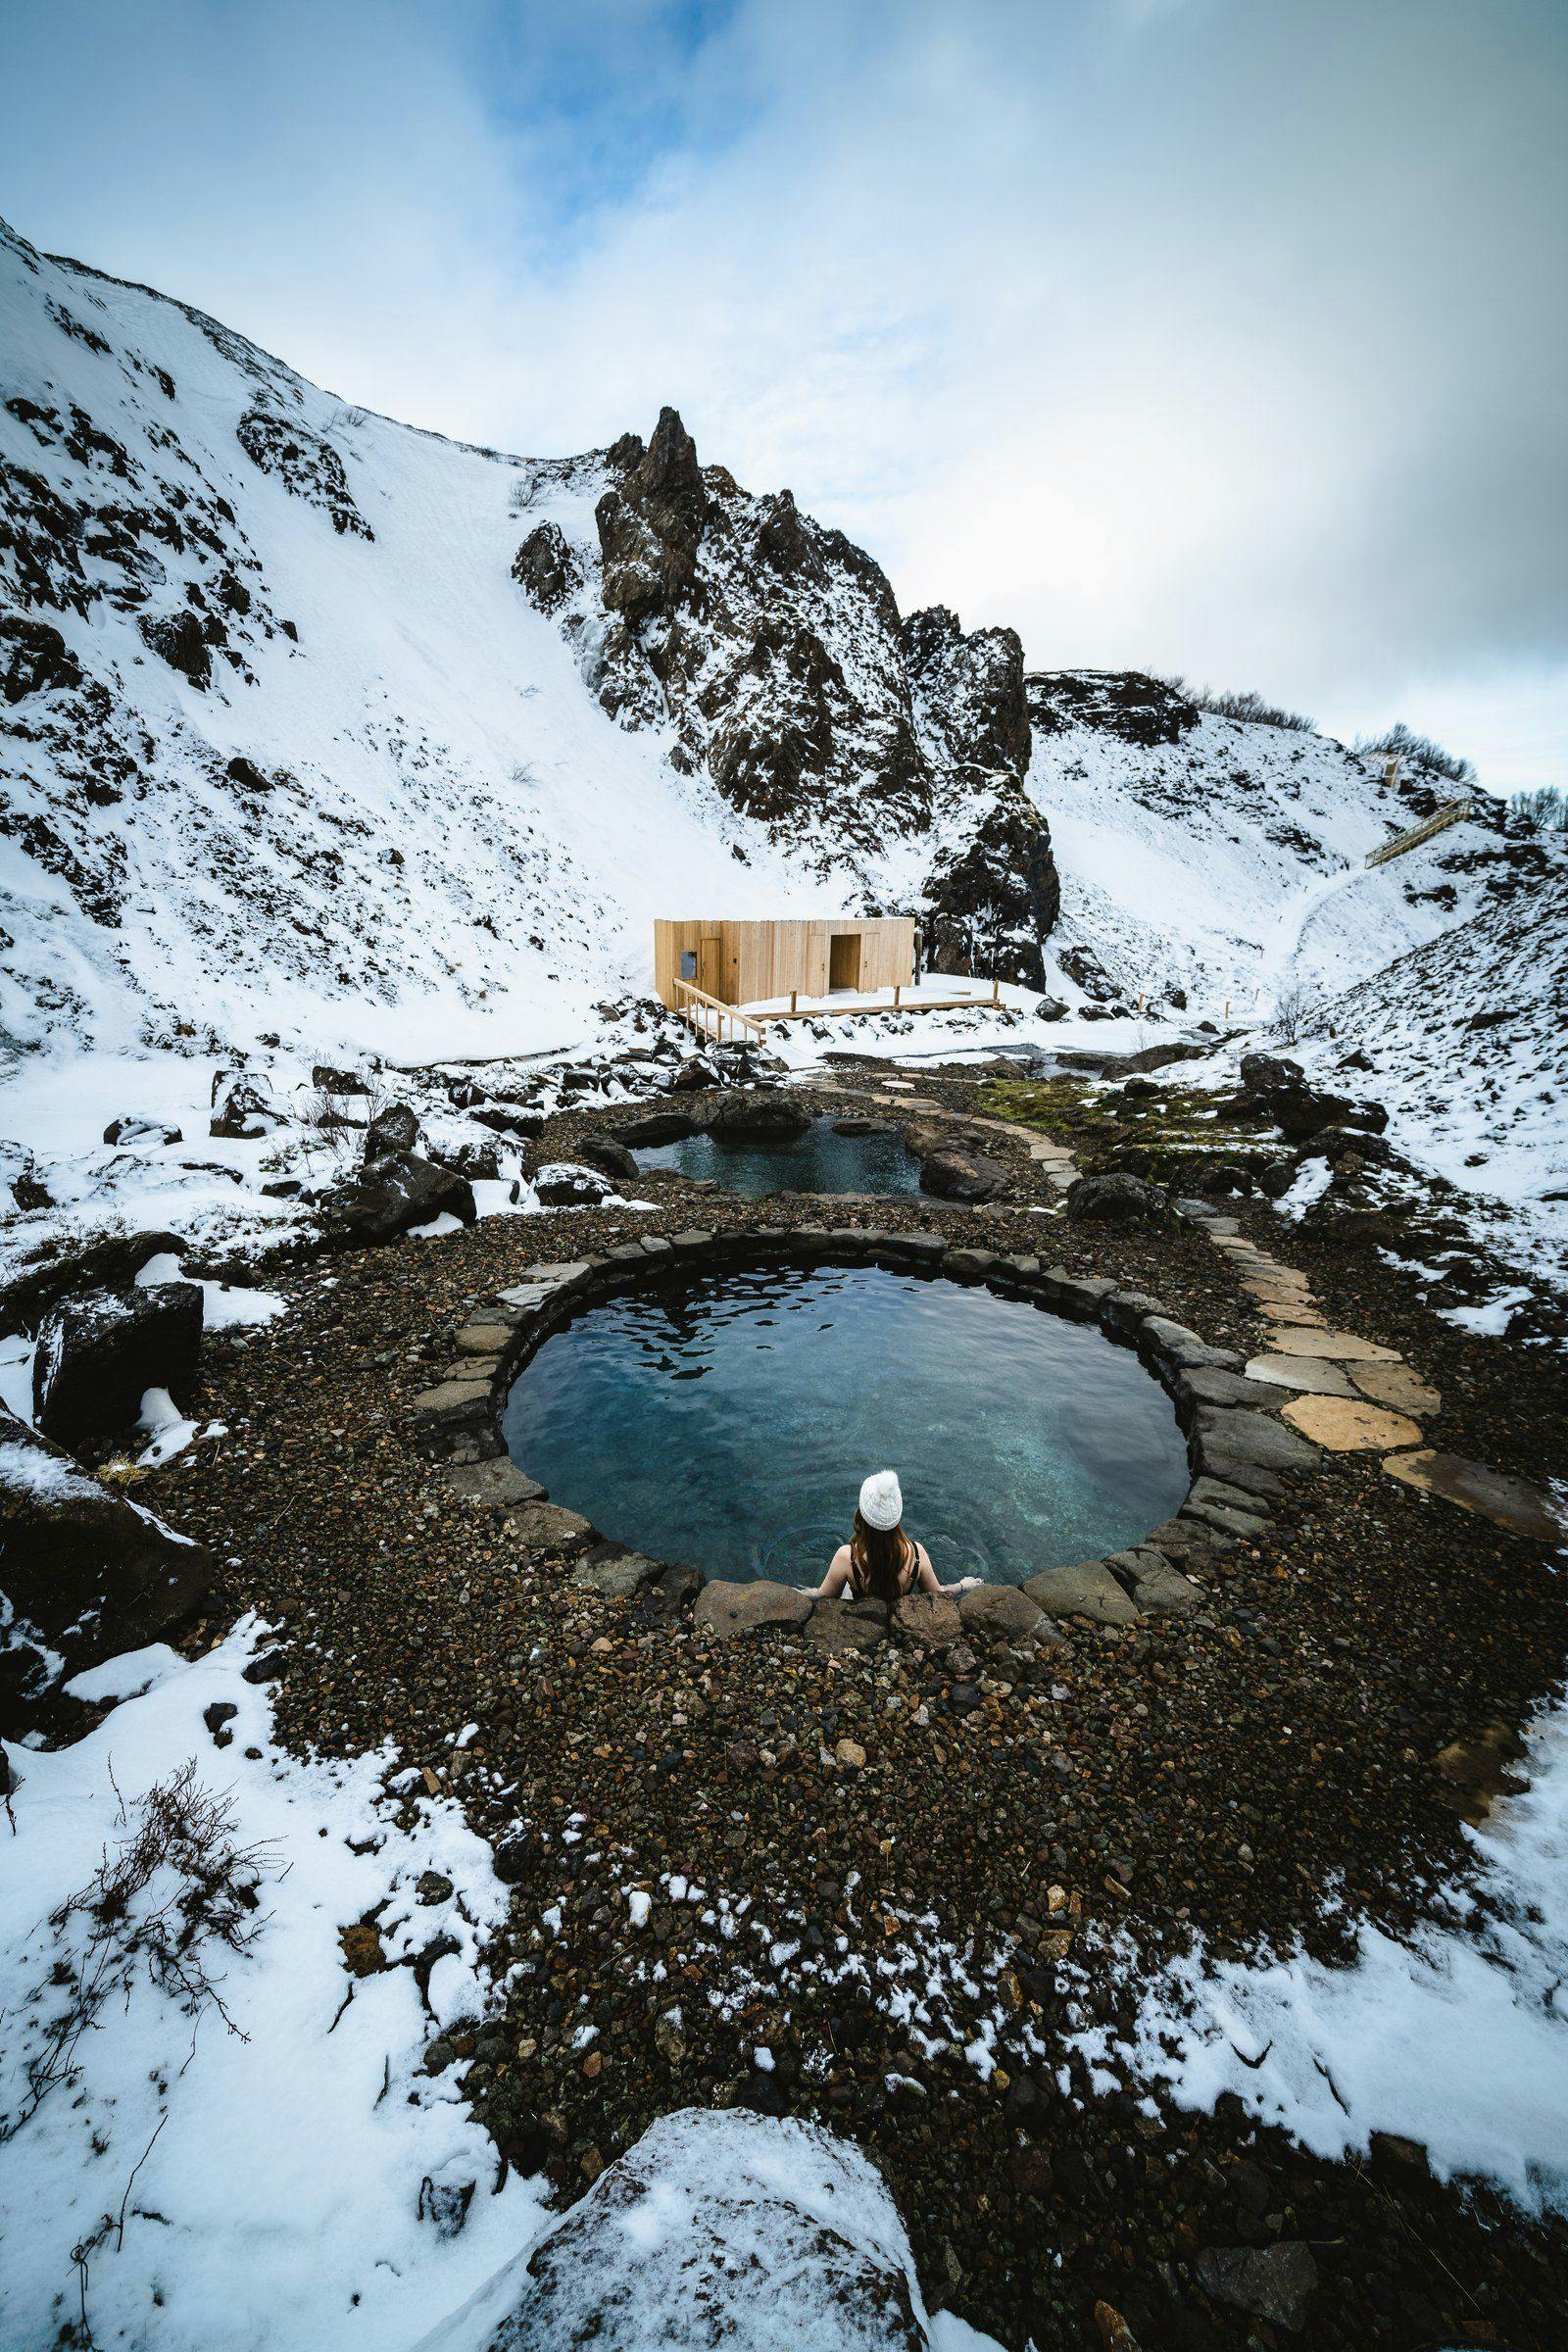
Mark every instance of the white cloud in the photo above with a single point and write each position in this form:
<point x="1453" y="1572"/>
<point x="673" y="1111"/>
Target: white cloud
<point x="1208" y="335"/>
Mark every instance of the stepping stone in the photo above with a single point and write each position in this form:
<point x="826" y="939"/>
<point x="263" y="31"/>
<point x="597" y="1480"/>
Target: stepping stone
<point x="732" y="1609"/>
<point x="1396" y="1385"/>
<point x="1337" y="1346"/>
<point x="930" y="1619"/>
<point x="1082" y="1588"/>
<point x="998" y="1613"/>
<point x="1346" y="1425"/>
<point x="1289" y="1315"/>
<point x="1508" y="1503"/>
<point x="1300" y="1373"/>
<point x="498" y="1486"/>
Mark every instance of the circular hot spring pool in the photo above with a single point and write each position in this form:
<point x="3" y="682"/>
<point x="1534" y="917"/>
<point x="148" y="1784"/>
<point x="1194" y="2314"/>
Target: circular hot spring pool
<point x="727" y="1419"/>
<point x="819" y="1159"/>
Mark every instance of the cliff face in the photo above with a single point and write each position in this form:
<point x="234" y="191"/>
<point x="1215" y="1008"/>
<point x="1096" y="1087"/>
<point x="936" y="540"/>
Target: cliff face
<point x="771" y="654"/>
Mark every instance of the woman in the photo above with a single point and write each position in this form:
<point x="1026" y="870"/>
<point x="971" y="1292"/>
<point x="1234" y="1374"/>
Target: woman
<point x="880" y="1563"/>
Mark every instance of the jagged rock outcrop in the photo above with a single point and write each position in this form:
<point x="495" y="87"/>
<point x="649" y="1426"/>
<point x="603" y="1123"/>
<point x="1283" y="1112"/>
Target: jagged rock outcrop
<point x="307" y="467"/>
<point x="774" y="650"/>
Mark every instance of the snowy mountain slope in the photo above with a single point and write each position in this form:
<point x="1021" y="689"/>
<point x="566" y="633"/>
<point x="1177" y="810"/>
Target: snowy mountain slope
<point x="1227" y="859"/>
<point x="288" y="748"/>
<point x="1469" y="1035"/>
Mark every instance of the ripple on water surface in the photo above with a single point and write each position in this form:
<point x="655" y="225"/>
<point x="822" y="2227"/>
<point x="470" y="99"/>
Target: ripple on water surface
<point x="728" y="1419"/>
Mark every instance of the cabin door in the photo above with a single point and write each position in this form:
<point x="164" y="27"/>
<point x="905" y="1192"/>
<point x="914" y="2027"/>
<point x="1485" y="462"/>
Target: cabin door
<point x="711" y="967"/>
<point x="843" y="960"/>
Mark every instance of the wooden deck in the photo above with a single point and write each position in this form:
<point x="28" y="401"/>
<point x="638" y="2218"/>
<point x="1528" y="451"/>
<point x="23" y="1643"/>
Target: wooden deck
<point x="843" y="1007"/>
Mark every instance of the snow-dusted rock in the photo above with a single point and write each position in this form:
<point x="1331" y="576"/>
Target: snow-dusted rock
<point x="100" y="1353"/>
<point x="84" y="1572"/>
<point x="718" y="2227"/>
<point x="387" y="1196"/>
<point x="562" y="1184"/>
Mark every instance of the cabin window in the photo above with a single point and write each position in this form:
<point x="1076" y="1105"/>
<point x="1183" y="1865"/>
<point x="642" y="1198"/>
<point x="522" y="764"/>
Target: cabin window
<point x="688" y="964"/>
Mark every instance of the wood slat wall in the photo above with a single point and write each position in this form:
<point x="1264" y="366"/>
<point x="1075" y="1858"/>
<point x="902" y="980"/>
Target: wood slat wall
<point x="766" y="959"/>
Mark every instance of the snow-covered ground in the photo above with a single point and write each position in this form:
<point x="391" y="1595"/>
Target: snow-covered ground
<point x="230" y="2139"/>
<point x="1457" y="2039"/>
<point x="244" y="2169"/>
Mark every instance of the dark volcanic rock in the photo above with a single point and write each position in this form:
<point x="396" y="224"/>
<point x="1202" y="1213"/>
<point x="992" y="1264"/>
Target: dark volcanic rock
<point x="612" y="1158"/>
<point x="88" y="1572"/>
<point x="657" y="1127"/>
<point x="964" y="1176"/>
<point x="35" y="658"/>
<point x="546" y="569"/>
<point x="1275" y="2282"/>
<point x="564" y="1185"/>
<point x="308" y="467"/>
<point x="393" y="1129"/>
<point x="98" y="1355"/>
<point x="176" y="638"/>
<point x="1115" y="1200"/>
<point x="393" y="1192"/>
<point x="760" y="1113"/>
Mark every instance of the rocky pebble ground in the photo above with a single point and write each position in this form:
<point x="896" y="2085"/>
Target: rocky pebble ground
<point x="890" y="1885"/>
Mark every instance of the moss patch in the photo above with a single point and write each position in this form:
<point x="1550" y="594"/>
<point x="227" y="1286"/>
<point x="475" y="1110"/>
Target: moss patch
<point x="1163" y="1134"/>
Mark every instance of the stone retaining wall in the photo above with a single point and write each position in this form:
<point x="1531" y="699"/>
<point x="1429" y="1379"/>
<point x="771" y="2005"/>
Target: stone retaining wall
<point x="1240" y="1450"/>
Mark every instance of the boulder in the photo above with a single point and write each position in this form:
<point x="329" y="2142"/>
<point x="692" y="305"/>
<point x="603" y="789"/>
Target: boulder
<point x="928" y="1619"/>
<point x="732" y="1609"/>
<point x="721" y="2227"/>
<point x="1115" y="1200"/>
<point x="84" y="1573"/>
<point x="99" y="1354"/>
<point x="1081" y="1589"/>
<point x="142" y="1131"/>
<point x="1000" y="1613"/>
<point x="388" y="1195"/>
<point x="241" y="1112"/>
<point x="770" y="1112"/>
<point x="612" y="1159"/>
<point x="962" y="1176"/>
<point x="562" y="1184"/>
<point x="1274" y="2283"/>
<point x="848" y="1624"/>
<point x="393" y="1128"/>
<point x="657" y="1127"/>
<point x="331" y="1080"/>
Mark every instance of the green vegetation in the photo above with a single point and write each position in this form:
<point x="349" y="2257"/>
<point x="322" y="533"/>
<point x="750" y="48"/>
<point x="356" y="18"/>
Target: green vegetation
<point x="1160" y="1135"/>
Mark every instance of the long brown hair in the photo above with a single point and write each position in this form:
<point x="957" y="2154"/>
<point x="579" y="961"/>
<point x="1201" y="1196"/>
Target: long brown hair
<point x="879" y="1559"/>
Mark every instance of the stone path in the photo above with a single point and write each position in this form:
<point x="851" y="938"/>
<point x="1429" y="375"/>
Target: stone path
<point x="1349" y="1395"/>
<point x="1355" y="1395"/>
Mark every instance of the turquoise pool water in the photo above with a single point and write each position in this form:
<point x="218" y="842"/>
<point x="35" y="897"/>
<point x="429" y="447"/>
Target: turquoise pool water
<point x="727" y="1420"/>
<point x="816" y="1161"/>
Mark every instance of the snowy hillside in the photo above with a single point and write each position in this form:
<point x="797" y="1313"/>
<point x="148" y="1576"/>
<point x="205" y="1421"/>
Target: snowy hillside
<point x="291" y="748"/>
<point x="1227" y="859"/>
<point x="325" y="736"/>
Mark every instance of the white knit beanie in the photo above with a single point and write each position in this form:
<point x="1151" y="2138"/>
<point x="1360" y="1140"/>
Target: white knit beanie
<point x="881" y="1499"/>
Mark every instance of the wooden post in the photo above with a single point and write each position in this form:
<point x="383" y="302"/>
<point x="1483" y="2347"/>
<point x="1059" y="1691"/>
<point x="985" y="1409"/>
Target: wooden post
<point x="795" y="1000"/>
<point x="996" y="991"/>
<point x="896" y="994"/>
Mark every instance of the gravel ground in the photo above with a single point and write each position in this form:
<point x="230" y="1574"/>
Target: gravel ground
<point x="841" y="1812"/>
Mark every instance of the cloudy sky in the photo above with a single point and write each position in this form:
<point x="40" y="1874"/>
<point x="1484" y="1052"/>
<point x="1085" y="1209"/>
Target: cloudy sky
<point x="1223" y="336"/>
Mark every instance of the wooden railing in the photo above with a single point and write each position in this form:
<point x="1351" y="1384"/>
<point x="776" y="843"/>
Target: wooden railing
<point x="1450" y="813"/>
<point x="707" y="1016"/>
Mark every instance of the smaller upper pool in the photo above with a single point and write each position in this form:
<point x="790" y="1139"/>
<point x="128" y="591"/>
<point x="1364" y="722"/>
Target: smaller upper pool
<point x="818" y="1161"/>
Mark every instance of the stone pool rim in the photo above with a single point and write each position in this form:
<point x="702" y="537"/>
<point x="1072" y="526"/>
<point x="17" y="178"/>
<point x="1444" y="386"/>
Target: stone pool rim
<point x="1239" y="1450"/>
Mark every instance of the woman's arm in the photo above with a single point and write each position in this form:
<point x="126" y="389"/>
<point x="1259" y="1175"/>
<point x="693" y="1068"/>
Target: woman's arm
<point x="837" y="1577"/>
<point x="929" y="1582"/>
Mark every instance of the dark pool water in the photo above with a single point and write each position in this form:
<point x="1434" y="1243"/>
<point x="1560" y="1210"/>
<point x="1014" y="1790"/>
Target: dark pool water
<point x="816" y="1161"/>
<point x="728" y="1419"/>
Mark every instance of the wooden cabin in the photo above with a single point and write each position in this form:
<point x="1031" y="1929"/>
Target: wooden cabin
<point x="749" y="962"/>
